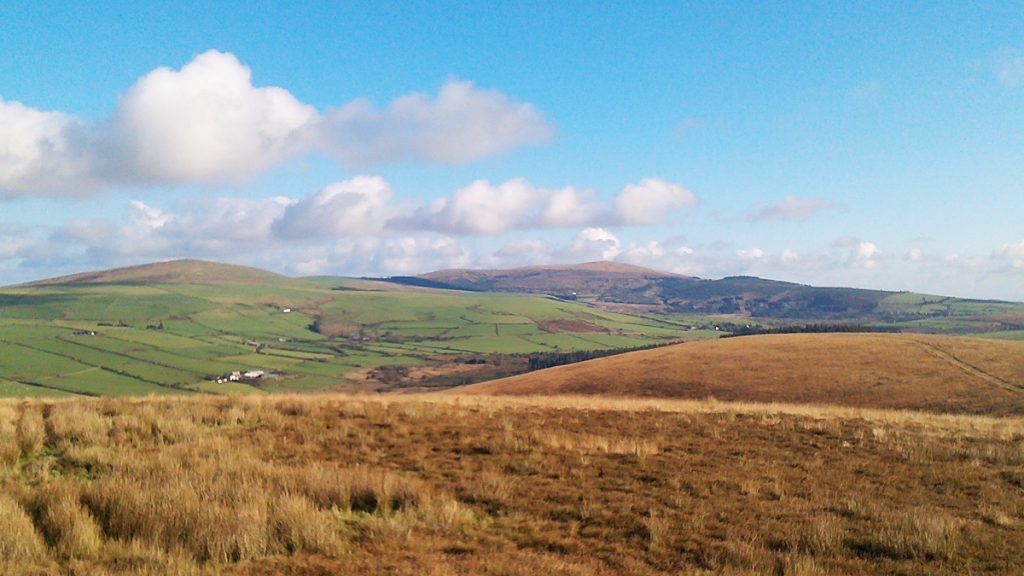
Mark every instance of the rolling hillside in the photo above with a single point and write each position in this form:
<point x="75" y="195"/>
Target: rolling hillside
<point x="591" y="279"/>
<point x="176" y="327"/>
<point x="174" y="272"/>
<point x="933" y="373"/>
<point x="620" y="287"/>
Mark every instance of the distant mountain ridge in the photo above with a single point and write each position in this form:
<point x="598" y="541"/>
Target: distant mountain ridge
<point x="569" y="281"/>
<point x="607" y="283"/>
<point x="631" y="289"/>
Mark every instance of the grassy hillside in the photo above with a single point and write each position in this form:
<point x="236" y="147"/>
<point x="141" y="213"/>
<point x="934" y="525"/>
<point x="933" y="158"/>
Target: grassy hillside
<point x="173" y="328"/>
<point x="590" y="280"/>
<point x="934" y="373"/>
<point x="468" y="485"/>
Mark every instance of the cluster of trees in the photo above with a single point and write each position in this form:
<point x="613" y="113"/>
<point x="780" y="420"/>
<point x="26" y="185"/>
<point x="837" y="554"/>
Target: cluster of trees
<point x="541" y="360"/>
<point x="805" y="329"/>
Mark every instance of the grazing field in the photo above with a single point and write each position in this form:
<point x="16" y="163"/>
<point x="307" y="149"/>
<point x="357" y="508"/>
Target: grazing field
<point x="933" y="373"/>
<point x="409" y="485"/>
<point x="174" y="328"/>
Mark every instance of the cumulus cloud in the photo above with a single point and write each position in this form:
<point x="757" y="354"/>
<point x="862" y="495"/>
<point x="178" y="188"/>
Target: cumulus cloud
<point x="41" y="151"/>
<point x="570" y="208"/>
<point x="207" y="123"/>
<point x="461" y="125"/>
<point x="356" y="207"/>
<point x="411" y="255"/>
<point x="791" y="208"/>
<point x="485" y="209"/>
<point x="482" y="208"/>
<point x="649" y="201"/>
<point x="865" y="255"/>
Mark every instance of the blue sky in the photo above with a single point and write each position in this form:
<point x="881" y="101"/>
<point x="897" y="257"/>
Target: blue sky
<point x="877" y="145"/>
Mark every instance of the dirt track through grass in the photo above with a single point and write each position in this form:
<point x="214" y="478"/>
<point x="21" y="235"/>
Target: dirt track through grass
<point x="969" y="369"/>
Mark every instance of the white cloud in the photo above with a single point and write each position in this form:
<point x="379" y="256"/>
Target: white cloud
<point x="481" y="208"/>
<point x="791" y="208"/>
<point x="356" y="207"/>
<point x="208" y="124"/>
<point x="650" y="200"/>
<point x="1011" y="254"/>
<point x="570" y="208"/>
<point x="40" y="151"/>
<point x="461" y="125"/>
<point x="485" y="209"/>
<point x="865" y="255"/>
<point x="595" y="244"/>
<point x="754" y="254"/>
<point x="411" y="255"/>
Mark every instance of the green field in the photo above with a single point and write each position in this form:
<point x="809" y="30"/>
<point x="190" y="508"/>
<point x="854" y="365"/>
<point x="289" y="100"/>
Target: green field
<point x="142" y="339"/>
<point x="941" y="315"/>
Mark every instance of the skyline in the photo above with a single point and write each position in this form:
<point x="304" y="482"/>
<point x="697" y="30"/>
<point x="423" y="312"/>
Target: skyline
<point x="875" y="147"/>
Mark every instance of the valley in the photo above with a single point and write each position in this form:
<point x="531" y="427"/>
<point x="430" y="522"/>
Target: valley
<point x="175" y="328"/>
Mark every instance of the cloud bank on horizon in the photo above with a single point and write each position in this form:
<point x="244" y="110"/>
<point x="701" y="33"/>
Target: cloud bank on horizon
<point x="207" y="125"/>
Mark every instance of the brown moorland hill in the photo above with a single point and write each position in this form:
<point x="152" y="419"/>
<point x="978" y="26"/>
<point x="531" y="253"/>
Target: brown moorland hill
<point x="899" y="371"/>
<point x="172" y="272"/>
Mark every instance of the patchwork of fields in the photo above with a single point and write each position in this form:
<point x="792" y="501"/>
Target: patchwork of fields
<point x="134" y="339"/>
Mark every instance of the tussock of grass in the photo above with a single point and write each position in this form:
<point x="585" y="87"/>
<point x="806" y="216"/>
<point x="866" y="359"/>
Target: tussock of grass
<point x="31" y="431"/>
<point x="67" y="526"/>
<point x="19" y="541"/>
<point x="76" y="423"/>
<point x="468" y="485"/>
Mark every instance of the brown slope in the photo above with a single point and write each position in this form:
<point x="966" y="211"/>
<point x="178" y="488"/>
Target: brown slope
<point x="172" y="272"/>
<point x="933" y="373"/>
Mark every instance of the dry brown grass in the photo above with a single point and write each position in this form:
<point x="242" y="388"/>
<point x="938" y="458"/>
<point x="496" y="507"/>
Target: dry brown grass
<point x="68" y="527"/>
<point x="31" y="431"/>
<point x="19" y="541"/>
<point x="892" y="371"/>
<point x="514" y="486"/>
